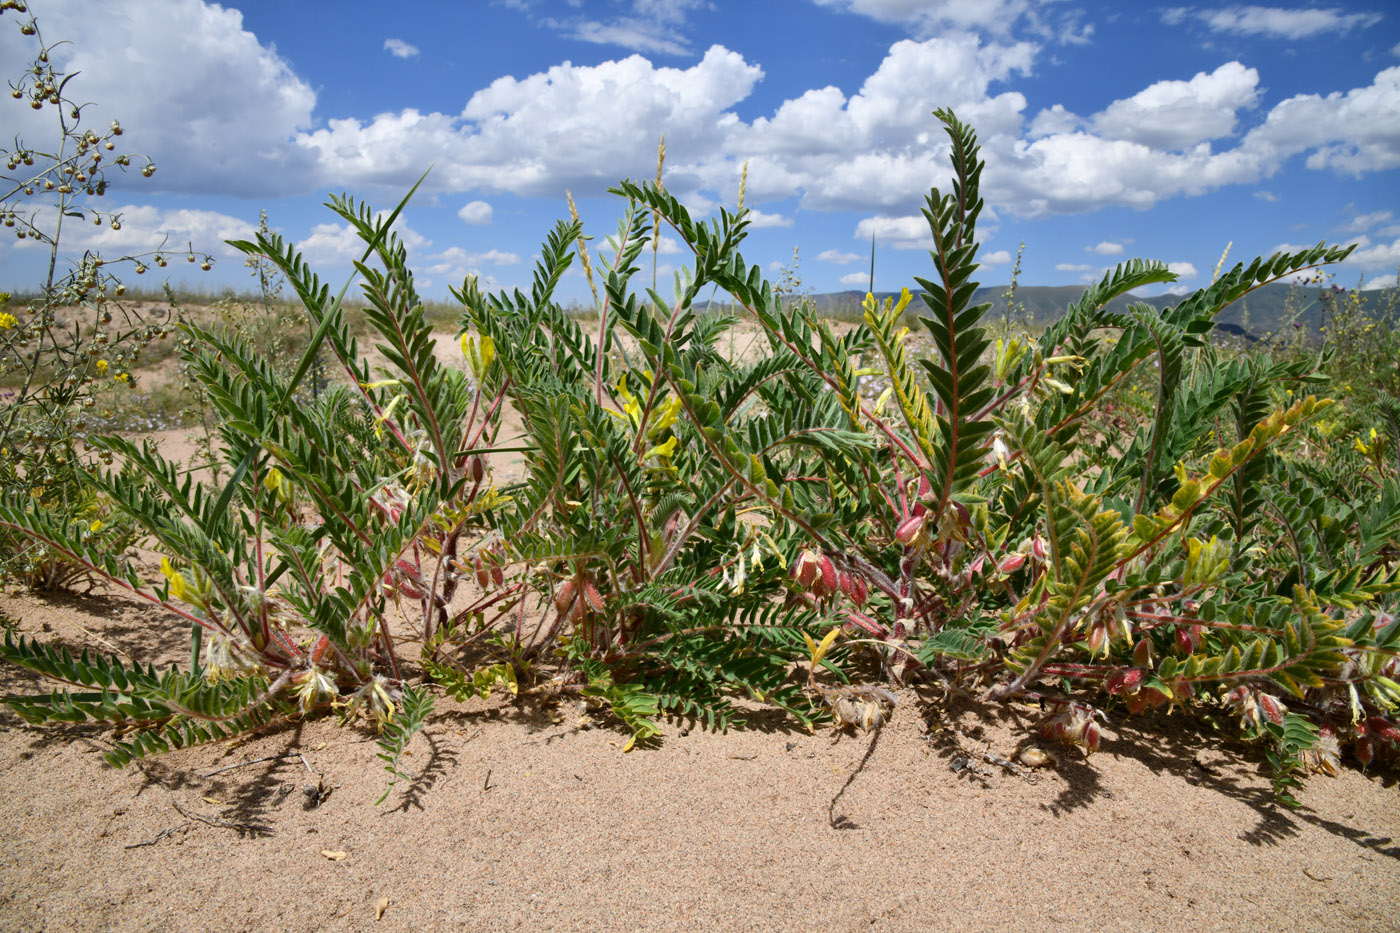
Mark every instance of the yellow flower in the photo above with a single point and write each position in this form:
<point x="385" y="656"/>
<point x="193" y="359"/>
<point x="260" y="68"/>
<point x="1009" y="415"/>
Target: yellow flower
<point x="96" y="525"/>
<point x="7" y="320"/>
<point x="101" y="367"/>
<point x="122" y="377"/>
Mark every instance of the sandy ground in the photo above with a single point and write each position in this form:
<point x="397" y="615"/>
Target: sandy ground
<point x="530" y="816"/>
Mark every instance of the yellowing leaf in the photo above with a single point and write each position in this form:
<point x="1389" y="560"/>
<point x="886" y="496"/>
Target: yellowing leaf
<point x="631" y="743"/>
<point x="339" y="855"/>
<point x="379" y="908"/>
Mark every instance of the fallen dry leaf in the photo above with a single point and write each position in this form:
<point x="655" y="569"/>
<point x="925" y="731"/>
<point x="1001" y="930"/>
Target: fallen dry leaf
<point x="319" y="747"/>
<point x="337" y="856"/>
<point x="379" y="908"/>
<point x="212" y="801"/>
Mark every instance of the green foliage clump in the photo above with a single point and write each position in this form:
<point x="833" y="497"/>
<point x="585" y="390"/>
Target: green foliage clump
<point x="690" y="527"/>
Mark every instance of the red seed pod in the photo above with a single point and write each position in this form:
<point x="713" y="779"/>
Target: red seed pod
<point x="844" y="579"/>
<point x="498" y="576"/>
<point x="318" y="652"/>
<point x="1142" y="654"/>
<point x="590" y="592"/>
<point x="1124" y="681"/>
<point x="1271" y="707"/>
<point x="859" y="591"/>
<point x="564" y="596"/>
<point x="1383" y="728"/>
<point x="830" y="581"/>
<point x="482" y="577"/>
<point x="806" y="569"/>
<point x="909" y="530"/>
<point x="1012" y="564"/>
<point x="1365" y="751"/>
<point x="478" y="468"/>
<point x="925" y="487"/>
<point x="1091" y="737"/>
<point x="1038" y="547"/>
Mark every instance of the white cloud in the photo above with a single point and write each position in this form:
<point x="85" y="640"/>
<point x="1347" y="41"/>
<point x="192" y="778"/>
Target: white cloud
<point x="1052" y="121"/>
<point x="1276" y="22"/>
<point x="758" y="220"/>
<point x="1072" y="267"/>
<point x="568" y="127"/>
<point x="999" y="258"/>
<point x="1179" y="114"/>
<point x="1262" y="195"/>
<point x="856" y="278"/>
<point x="334" y="244"/>
<point x="400" y="49"/>
<point x="1105" y="248"/>
<point x="927" y="17"/>
<point x="456" y="263"/>
<point x="1183" y="270"/>
<point x="1380" y="281"/>
<point x="1385" y="256"/>
<point x="899" y="232"/>
<point x="651" y="26"/>
<point x="145" y="228"/>
<point x="1354" y="133"/>
<point x="1363" y="222"/>
<point x="837" y="257"/>
<point x="1178" y="290"/>
<point x="476" y="213"/>
<point x="219" y="117"/>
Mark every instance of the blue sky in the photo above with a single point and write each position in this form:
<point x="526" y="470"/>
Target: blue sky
<point x="1110" y="130"/>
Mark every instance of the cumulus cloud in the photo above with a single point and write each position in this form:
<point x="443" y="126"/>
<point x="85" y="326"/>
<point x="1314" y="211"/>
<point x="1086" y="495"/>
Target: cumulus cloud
<point x="1353" y="132"/>
<point x="1179" y="114"/>
<point x="399" y="48"/>
<point x="217" y="118"/>
<point x="856" y="278"/>
<point x="1105" y="248"/>
<point x="145" y="228"/>
<point x="333" y="244"/>
<point x="899" y="232"/>
<point x="476" y="213"/>
<point x="567" y="127"/>
<point x="1274" y="22"/>
<point x="1183" y="270"/>
<point x="1262" y="195"/>
<point x="1072" y="267"/>
<point x="231" y="118"/>
<point x="838" y="257"/>
<point x="999" y="258"/>
<point x="456" y="263"/>
<point x="1380" y="281"/>
<point x="758" y="220"/>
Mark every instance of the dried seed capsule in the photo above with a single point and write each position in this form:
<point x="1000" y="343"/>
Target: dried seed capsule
<point x="564" y="596"/>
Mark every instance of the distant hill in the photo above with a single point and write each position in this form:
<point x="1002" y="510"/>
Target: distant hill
<point x="1260" y="314"/>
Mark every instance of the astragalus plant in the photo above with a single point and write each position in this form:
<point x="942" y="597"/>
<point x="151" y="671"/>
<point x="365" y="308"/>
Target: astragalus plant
<point x="341" y="517"/>
<point x="691" y="517"/>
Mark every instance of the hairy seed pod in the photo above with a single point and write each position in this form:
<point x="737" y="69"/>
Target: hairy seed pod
<point x="564" y="596"/>
<point x="482" y="576"/>
<point x="590" y="593"/>
<point x="860" y="593"/>
<point x="830" y="581"/>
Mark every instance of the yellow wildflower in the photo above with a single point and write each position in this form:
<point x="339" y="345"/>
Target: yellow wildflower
<point x="101" y="367"/>
<point x="7" y="320"/>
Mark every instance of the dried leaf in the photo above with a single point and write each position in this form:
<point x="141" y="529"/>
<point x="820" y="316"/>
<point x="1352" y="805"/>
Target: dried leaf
<point x="339" y="855"/>
<point x="380" y="907"/>
<point x="211" y="801"/>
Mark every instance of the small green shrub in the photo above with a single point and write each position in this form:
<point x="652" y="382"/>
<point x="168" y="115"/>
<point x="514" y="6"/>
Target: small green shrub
<point x="693" y="530"/>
